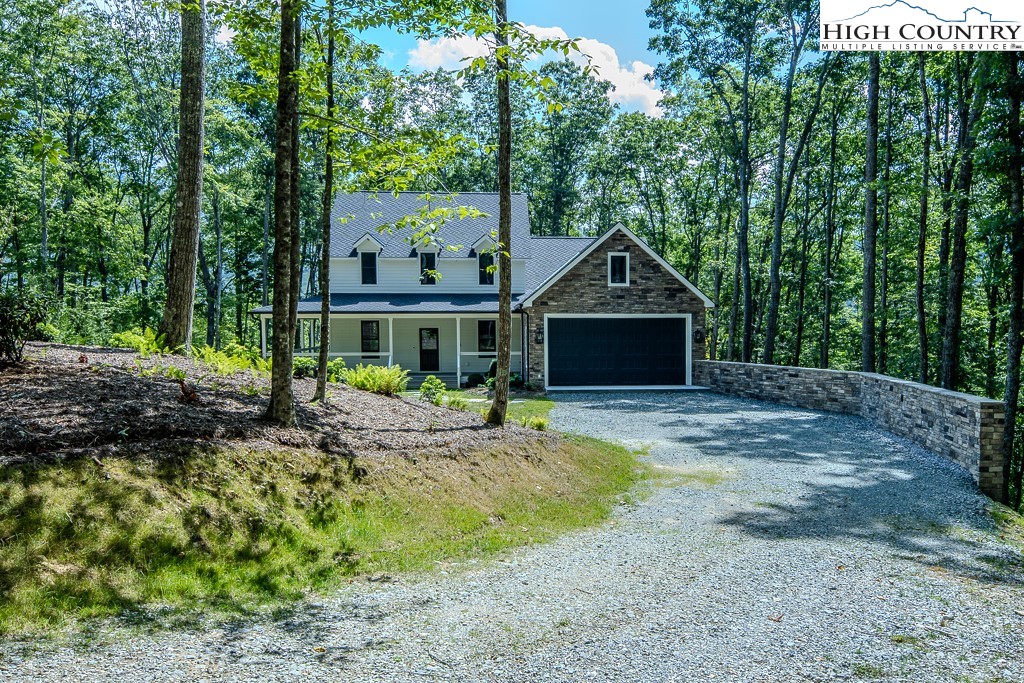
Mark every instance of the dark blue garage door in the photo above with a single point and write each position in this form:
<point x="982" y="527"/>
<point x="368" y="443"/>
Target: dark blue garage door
<point x="616" y="352"/>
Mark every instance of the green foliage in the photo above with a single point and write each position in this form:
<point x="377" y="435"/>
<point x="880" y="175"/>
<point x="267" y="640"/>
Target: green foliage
<point x="535" y="422"/>
<point x="230" y="529"/>
<point x="474" y="380"/>
<point x="145" y="341"/>
<point x="304" y="366"/>
<point x="378" y="379"/>
<point x="231" y="359"/>
<point x="20" y="318"/>
<point x="455" y="401"/>
<point x="335" y="370"/>
<point x="432" y="390"/>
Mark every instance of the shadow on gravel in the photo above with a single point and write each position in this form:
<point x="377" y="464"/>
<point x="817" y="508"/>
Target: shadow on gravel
<point x="835" y="477"/>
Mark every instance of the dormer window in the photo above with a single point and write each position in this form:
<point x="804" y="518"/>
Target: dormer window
<point x="485" y="264"/>
<point x="368" y="266"/>
<point x="428" y="266"/>
<point x="618" y="269"/>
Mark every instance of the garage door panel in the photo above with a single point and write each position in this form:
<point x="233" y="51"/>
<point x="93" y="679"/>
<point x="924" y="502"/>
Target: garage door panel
<point x="616" y="351"/>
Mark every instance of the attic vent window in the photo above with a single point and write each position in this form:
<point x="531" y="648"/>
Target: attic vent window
<point x="485" y="261"/>
<point x="618" y="269"/>
<point x="368" y="263"/>
<point x="428" y="268"/>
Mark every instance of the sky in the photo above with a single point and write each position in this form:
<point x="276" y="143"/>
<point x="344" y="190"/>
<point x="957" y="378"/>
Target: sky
<point x="614" y="34"/>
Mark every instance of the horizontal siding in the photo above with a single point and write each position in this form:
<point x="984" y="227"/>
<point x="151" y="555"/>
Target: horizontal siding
<point x="402" y="276"/>
<point x="346" y="342"/>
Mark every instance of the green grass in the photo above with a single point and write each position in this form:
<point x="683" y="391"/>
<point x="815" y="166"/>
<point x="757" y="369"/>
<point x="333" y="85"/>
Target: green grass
<point x="229" y="530"/>
<point x="1010" y="524"/>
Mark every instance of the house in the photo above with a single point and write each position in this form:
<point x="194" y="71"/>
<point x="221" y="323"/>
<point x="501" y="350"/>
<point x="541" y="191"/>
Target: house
<point x="587" y="312"/>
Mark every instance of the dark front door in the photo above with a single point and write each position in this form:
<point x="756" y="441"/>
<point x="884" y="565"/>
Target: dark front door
<point x="616" y="352"/>
<point x="430" y="356"/>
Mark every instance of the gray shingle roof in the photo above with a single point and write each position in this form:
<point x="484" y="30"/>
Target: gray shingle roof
<point x="366" y="212"/>
<point x="400" y="303"/>
<point x="358" y="213"/>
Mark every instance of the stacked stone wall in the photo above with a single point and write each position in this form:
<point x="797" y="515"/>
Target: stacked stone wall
<point x="964" y="428"/>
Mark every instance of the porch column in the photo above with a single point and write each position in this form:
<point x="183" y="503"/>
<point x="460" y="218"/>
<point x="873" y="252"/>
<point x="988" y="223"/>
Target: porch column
<point x="391" y="341"/>
<point x="458" y="352"/>
<point x="263" y="335"/>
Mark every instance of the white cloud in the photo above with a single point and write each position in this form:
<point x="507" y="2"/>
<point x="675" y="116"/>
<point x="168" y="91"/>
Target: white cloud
<point x="632" y="89"/>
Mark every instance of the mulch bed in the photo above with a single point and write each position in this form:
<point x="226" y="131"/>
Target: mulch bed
<point x="70" y="401"/>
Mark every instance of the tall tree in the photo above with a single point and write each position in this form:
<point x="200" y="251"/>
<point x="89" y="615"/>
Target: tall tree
<point x="499" y="407"/>
<point x="325" y="242"/>
<point x="281" y="409"/>
<point x="922" y="222"/>
<point x="867" y="333"/>
<point x="1015" y="334"/>
<point x="970" y="101"/>
<point x="176" y="325"/>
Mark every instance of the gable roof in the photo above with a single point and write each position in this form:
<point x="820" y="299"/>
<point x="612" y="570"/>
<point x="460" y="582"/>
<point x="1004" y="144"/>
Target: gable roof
<point x="357" y="214"/>
<point x="557" y="275"/>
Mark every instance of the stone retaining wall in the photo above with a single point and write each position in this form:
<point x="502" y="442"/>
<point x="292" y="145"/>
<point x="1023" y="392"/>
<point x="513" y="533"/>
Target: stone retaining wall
<point x="964" y="428"/>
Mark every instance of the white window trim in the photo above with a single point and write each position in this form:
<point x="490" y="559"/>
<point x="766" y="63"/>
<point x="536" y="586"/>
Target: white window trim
<point x="376" y="268"/>
<point x="436" y="268"/>
<point x="687" y="349"/>
<point x="611" y="255"/>
<point x="494" y="273"/>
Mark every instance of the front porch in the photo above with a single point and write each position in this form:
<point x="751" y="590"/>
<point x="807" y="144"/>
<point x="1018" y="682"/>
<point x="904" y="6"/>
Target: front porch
<point x="447" y="346"/>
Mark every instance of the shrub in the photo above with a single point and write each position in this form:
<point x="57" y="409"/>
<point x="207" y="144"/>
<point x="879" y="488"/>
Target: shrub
<point x="377" y="379"/>
<point x="475" y="380"/>
<point x="432" y="390"/>
<point x="492" y="369"/>
<point x="145" y="341"/>
<point x="303" y="366"/>
<point x="335" y="369"/>
<point x="535" y="422"/>
<point x="515" y="381"/>
<point x="233" y="358"/>
<point x="456" y="402"/>
<point x="20" y="317"/>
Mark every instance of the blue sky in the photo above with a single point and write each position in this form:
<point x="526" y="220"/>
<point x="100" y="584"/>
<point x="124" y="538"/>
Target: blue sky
<point x="615" y="36"/>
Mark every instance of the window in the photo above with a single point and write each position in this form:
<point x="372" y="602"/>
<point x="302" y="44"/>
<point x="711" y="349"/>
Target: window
<point x="368" y="262"/>
<point x="428" y="264"/>
<point x="307" y="335"/>
<point x="370" y="333"/>
<point x="618" y="269"/>
<point x="485" y="260"/>
<point x="486" y="335"/>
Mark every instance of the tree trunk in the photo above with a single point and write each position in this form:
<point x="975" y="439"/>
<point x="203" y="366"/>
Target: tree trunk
<point x="1015" y="335"/>
<point x="867" y="334"/>
<point x="176" y="324"/>
<point x="499" y="407"/>
<point x="830" y="231"/>
<point x="970" y="103"/>
<point x="883" y="330"/>
<point x="265" y="271"/>
<point x="281" y="409"/>
<point x="922" y="227"/>
<point x="325" y="248"/>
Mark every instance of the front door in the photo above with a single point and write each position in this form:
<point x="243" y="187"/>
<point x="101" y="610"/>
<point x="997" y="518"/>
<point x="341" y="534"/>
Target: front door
<point x="430" y="356"/>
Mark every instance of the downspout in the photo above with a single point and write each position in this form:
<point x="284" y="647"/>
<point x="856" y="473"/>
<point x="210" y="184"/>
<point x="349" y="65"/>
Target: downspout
<point x="524" y="334"/>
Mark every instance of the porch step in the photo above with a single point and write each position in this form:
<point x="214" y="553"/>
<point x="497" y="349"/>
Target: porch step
<point x="416" y="379"/>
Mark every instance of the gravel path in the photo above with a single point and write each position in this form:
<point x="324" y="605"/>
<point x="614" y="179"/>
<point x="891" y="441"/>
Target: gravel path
<point x="778" y="545"/>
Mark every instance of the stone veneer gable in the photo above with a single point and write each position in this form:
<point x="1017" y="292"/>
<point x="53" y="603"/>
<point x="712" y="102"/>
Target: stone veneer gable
<point x="584" y="289"/>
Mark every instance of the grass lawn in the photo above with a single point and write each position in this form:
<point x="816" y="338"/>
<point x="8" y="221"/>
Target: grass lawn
<point x="228" y="529"/>
<point x="519" y="409"/>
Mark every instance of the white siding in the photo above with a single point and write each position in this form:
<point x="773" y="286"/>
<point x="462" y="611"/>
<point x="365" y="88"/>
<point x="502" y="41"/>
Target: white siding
<point x="402" y="276"/>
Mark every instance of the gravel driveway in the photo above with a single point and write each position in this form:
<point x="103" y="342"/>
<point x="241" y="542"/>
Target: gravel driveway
<point x="778" y="545"/>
